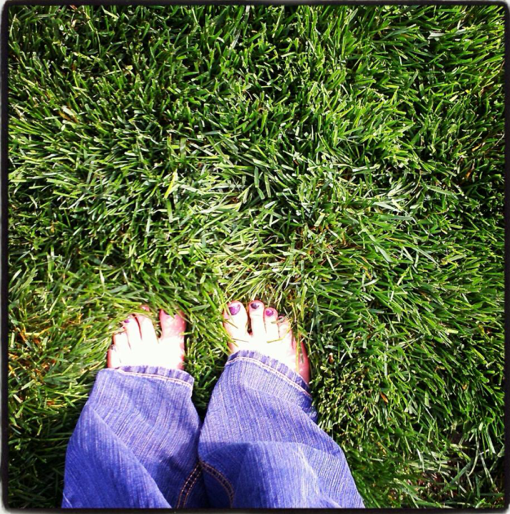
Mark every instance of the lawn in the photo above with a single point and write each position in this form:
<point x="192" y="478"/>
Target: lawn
<point x="342" y="163"/>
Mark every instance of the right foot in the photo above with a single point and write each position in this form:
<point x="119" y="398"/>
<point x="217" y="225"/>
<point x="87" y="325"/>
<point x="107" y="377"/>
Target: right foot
<point x="138" y="344"/>
<point x="269" y="335"/>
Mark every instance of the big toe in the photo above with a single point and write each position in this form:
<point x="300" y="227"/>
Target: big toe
<point x="172" y="326"/>
<point x="171" y="343"/>
<point x="293" y="352"/>
<point x="303" y="364"/>
<point x="236" y="322"/>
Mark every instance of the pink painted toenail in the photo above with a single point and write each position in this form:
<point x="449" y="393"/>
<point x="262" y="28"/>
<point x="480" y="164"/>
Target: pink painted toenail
<point x="127" y="320"/>
<point x="255" y="305"/>
<point x="269" y="312"/>
<point x="234" y="309"/>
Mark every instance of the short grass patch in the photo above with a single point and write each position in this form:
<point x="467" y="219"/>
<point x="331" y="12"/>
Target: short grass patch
<point x="342" y="163"/>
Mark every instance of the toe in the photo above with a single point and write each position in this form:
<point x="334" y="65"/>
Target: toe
<point x="236" y="319"/>
<point x="121" y="343"/>
<point x="236" y="322"/>
<point x="284" y="329"/>
<point x="112" y="358"/>
<point x="132" y="330"/>
<point x="271" y="324"/>
<point x="256" y="311"/>
<point x="147" y="331"/>
<point x="171" y="347"/>
<point x="303" y="363"/>
<point x="172" y="326"/>
<point x="119" y="350"/>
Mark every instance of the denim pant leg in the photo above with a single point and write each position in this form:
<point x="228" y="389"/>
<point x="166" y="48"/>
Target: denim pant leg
<point x="135" y="443"/>
<point x="260" y="445"/>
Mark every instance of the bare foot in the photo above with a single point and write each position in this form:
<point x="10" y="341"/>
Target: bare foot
<point x="138" y="344"/>
<point x="269" y="335"/>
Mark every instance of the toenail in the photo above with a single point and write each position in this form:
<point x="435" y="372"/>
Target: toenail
<point x="127" y="320"/>
<point x="234" y="309"/>
<point x="269" y="312"/>
<point x="255" y="305"/>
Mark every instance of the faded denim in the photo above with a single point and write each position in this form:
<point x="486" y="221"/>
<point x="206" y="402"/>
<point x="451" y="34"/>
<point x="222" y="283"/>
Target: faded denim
<point x="139" y="443"/>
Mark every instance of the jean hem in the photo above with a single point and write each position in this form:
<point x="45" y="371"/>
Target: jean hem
<point x="178" y="376"/>
<point x="273" y="366"/>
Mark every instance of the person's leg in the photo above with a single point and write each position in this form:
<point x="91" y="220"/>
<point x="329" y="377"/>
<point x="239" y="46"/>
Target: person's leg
<point x="260" y="445"/>
<point x="135" y="444"/>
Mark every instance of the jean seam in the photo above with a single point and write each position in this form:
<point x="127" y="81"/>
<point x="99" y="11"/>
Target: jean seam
<point x="221" y="478"/>
<point x="192" y="477"/>
<point x="192" y="485"/>
<point x="157" y="377"/>
<point x="272" y="370"/>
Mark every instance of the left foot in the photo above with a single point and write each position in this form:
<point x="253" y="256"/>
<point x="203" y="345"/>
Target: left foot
<point x="138" y="344"/>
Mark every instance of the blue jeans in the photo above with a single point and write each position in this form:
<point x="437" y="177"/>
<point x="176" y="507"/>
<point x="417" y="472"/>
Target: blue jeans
<point x="139" y="442"/>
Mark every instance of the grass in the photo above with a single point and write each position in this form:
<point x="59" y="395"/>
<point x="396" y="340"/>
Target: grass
<point x="342" y="163"/>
